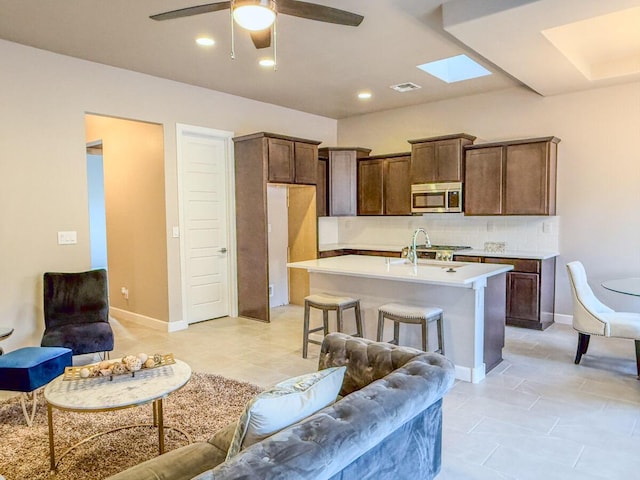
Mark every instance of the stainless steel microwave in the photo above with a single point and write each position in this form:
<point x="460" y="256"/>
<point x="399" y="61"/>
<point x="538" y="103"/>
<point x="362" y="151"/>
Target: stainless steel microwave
<point x="436" y="197"/>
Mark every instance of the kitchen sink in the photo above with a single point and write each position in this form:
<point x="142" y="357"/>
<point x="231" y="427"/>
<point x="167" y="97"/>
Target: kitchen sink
<point x="425" y="262"/>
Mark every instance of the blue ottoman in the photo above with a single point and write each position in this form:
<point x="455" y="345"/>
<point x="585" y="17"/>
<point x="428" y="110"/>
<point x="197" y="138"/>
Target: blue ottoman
<point x="29" y="368"/>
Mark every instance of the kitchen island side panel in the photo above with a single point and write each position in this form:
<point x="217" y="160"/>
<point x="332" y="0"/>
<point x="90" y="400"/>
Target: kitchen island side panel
<point x="464" y="308"/>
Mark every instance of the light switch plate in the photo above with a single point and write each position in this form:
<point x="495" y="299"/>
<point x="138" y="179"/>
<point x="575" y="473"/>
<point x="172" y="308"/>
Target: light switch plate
<point x="67" y="238"/>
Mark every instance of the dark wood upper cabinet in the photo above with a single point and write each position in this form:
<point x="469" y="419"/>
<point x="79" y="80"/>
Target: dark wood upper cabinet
<point x="322" y="207"/>
<point x="397" y="187"/>
<point x="370" y="187"/>
<point x="383" y="185"/>
<point x="438" y="159"/>
<point x="288" y="159"/>
<point x="530" y="173"/>
<point x="281" y="160"/>
<point x="340" y="166"/>
<point x="306" y="167"/>
<point x="483" y="181"/>
<point x="511" y="178"/>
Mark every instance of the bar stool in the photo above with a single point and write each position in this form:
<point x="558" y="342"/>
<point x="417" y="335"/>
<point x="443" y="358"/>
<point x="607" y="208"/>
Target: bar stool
<point x="400" y="313"/>
<point x="326" y="302"/>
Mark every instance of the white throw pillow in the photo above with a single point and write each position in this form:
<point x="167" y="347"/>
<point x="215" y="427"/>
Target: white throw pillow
<point x="285" y="404"/>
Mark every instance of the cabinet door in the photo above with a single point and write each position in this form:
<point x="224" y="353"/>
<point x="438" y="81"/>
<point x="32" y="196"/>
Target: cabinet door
<point x="448" y="156"/>
<point x="370" y="187"/>
<point x="343" y="186"/>
<point x="397" y="188"/>
<point x="423" y="162"/>
<point x="306" y="159"/>
<point x="281" y="161"/>
<point x="527" y="179"/>
<point x="523" y="296"/>
<point x="483" y="181"/>
<point x="321" y="188"/>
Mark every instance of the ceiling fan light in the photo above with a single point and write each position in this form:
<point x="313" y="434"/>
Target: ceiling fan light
<point x="254" y="15"/>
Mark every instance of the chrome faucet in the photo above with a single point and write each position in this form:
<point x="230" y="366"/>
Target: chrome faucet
<point x="413" y="253"/>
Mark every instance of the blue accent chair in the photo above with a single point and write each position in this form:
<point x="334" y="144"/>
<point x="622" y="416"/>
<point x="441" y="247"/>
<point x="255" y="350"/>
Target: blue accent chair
<point x="29" y="368"/>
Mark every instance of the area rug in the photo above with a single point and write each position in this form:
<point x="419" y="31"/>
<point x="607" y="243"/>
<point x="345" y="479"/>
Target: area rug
<point x="204" y="405"/>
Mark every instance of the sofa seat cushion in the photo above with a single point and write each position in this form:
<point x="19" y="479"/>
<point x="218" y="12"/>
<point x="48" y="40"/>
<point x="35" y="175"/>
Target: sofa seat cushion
<point x="284" y="404"/>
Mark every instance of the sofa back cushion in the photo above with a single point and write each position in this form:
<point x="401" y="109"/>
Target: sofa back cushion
<point x="366" y="361"/>
<point x="284" y="404"/>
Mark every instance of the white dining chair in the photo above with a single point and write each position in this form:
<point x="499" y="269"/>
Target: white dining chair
<point x="592" y="317"/>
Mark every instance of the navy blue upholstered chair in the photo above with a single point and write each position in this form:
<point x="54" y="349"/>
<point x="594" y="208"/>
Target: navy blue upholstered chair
<point x="76" y="312"/>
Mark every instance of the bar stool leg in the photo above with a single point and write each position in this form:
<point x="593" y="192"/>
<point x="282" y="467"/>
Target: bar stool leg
<point x="359" y="332"/>
<point x="380" y="326"/>
<point x="325" y="321"/>
<point x="440" y="335"/>
<point x="305" y="333"/>
<point x="425" y="335"/>
<point x="339" y="319"/>
<point x="396" y="333"/>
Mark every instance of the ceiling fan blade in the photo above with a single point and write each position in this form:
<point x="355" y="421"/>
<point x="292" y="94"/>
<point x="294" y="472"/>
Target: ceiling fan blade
<point x="261" y="38"/>
<point x="189" y="11"/>
<point x="321" y="13"/>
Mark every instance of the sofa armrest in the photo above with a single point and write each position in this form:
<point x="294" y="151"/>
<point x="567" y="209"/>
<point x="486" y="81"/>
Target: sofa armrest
<point x="367" y="361"/>
<point x="183" y="463"/>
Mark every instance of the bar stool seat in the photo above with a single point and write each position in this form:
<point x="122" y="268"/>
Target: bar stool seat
<point x="402" y="313"/>
<point x="326" y="303"/>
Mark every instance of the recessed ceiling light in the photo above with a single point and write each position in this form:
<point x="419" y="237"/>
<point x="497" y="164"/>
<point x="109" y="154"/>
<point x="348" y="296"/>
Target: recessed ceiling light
<point x="205" y="41"/>
<point x="364" y="95"/>
<point x="455" y="69"/>
<point x="267" y="62"/>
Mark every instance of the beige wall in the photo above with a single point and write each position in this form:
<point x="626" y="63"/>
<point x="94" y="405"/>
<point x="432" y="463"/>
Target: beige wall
<point x="133" y="159"/>
<point x="43" y="186"/>
<point x="598" y="165"/>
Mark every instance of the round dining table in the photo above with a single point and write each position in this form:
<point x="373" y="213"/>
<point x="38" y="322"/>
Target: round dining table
<point x="628" y="286"/>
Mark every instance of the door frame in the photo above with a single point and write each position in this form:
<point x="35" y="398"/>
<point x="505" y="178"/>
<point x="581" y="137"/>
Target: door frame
<point x="232" y="273"/>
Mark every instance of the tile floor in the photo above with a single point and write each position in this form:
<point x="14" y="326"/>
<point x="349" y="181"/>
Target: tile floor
<point x="535" y="416"/>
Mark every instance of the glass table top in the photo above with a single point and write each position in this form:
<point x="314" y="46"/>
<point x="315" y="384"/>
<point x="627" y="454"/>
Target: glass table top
<point x="628" y="286"/>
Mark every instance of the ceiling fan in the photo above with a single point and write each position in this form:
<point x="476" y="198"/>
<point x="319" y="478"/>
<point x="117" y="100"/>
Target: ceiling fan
<point x="258" y="16"/>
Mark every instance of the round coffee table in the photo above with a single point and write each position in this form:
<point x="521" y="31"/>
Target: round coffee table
<point x="123" y="391"/>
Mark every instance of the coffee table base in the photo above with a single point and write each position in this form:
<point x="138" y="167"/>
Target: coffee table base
<point x="158" y="422"/>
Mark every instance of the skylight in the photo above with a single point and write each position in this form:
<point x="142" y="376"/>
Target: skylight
<point x="455" y="69"/>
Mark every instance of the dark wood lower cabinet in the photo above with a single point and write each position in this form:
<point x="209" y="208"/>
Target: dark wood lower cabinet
<point x="530" y="291"/>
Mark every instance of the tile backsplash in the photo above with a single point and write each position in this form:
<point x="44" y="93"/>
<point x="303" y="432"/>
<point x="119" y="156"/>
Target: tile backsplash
<point x="518" y="232"/>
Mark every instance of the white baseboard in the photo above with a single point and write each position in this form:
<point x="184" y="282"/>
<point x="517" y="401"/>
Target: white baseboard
<point x="562" y="318"/>
<point x="473" y="375"/>
<point x="147" y="321"/>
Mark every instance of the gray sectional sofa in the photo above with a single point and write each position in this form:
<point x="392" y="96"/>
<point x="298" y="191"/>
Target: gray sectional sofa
<point x="387" y="425"/>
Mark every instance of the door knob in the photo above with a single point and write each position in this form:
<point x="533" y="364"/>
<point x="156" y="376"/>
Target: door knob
<point x="223" y="250"/>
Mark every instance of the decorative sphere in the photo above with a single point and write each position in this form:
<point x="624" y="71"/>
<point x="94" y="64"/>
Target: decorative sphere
<point x="143" y="357"/>
<point x="84" y="373"/>
<point x="149" y="363"/>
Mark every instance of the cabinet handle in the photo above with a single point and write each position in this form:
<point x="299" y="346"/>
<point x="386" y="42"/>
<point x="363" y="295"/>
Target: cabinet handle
<point x="223" y="250"/>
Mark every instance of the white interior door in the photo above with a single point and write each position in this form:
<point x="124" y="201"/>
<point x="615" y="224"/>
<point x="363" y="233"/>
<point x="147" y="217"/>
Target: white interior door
<point x="203" y="159"/>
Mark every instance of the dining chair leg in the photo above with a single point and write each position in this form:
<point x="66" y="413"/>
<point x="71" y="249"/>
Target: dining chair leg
<point x="638" y="357"/>
<point x="583" y="345"/>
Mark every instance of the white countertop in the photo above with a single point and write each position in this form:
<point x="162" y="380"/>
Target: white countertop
<point x="529" y="254"/>
<point x="435" y="272"/>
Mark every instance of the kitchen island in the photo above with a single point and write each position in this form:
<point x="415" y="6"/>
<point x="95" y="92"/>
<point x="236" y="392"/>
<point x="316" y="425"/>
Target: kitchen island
<point x="472" y="296"/>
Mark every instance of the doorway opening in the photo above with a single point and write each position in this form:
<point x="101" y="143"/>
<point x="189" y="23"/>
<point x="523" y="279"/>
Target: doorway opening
<point x="128" y="215"/>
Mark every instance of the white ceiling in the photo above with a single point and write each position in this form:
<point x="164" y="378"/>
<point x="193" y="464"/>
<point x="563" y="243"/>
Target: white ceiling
<point x="321" y="67"/>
